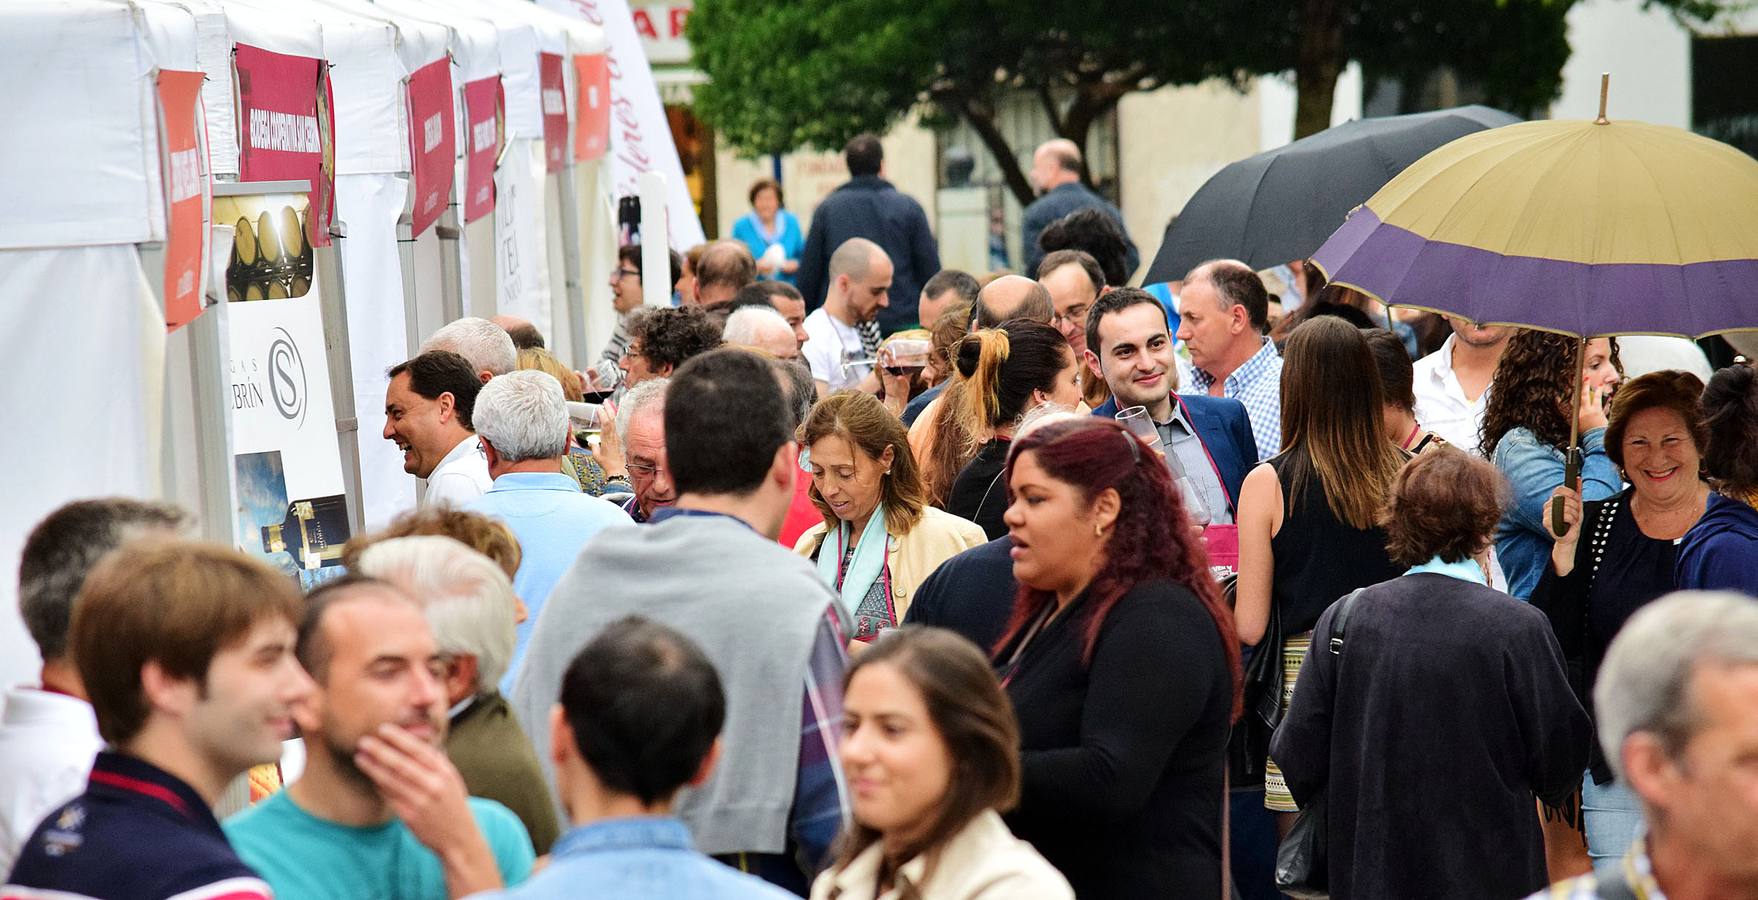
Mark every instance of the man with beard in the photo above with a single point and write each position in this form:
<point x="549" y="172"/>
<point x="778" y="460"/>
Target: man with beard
<point x="379" y="810"/>
<point x="1452" y="384"/>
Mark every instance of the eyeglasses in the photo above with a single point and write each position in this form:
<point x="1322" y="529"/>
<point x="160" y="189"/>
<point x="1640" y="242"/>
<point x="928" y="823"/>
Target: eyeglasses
<point x="1076" y="316"/>
<point x="645" y="470"/>
<point x="628" y="273"/>
<point x="633" y="350"/>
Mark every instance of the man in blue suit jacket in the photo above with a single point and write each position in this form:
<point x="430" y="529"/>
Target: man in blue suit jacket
<point x="1129" y="343"/>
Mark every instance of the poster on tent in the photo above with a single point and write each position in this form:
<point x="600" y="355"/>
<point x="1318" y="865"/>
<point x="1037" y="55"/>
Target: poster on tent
<point x="555" y="111"/>
<point x="591" y="106"/>
<point x="284" y="126"/>
<point x="292" y="505"/>
<point x="185" y="176"/>
<point x="485" y="123"/>
<point x="432" y="145"/>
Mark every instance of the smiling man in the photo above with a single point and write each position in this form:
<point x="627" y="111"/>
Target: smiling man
<point x="379" y="810"/>
<point x="186" y="653"/>
<point x="427" y="415"/>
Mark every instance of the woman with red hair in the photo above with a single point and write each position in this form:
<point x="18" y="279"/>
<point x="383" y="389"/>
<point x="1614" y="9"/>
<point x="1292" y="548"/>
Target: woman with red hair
<point x="1122" y="663"/>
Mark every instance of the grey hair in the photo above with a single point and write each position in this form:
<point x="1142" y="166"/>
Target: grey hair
<point x="1644" y="682"/>
<point x="523" y="415"/>
<point x="65" y="546"/>
<point x="467" y="600"/>
<point x="802" y="391"/>
<point x="749" y="326"/>
<point x="486" y="345"/>
<point x="648" y="395"/>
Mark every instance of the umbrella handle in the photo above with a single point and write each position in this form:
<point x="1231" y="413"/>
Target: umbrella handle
<point x="1572" y="481"/>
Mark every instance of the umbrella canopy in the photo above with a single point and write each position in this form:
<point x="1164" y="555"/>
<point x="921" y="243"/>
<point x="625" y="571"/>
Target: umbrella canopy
<point x="1583" y="228"/>
<point x="1280" y="205"/>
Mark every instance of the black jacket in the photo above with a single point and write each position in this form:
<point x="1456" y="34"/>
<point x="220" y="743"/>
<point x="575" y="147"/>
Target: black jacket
<point x="869" y="207"/>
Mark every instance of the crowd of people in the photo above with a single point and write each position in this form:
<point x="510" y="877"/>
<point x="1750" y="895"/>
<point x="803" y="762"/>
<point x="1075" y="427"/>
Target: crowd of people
<point x="847" y="577"/>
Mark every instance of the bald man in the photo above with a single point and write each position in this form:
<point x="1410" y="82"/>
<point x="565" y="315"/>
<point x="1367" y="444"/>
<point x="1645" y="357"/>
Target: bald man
<point x="761" y="328"/>
<point x="1007" y="297"/>
<point x="838" y="349"/>
<point x="1056" y="168"/>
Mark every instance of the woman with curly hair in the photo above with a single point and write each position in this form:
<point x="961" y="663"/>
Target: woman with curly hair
<point x="1721" y="550"/>
<point x="1526" y="428"/>
<point x="1123" y="664"/>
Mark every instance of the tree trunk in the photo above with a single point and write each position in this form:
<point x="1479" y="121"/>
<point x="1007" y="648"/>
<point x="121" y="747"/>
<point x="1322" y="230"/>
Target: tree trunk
<point x="982" y="119"/>
<point x="1318" y="61"/>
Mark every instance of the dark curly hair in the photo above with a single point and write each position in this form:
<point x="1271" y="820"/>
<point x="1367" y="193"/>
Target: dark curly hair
<point x="1093" y="231"/>
<point x="671" y="335"/>
<point x="1730" y="406"/>
<point x="1534" y="388"/>
<point x="1150" y="540"/>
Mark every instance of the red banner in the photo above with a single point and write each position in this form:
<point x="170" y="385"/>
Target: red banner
<point x="185" y="174"/>
<point x="285" y="128"/>
<point x="432" y="144"/>
<point x="555" y="111"/>
<point x="591" y="106"/>
<point x="482" y="113"/>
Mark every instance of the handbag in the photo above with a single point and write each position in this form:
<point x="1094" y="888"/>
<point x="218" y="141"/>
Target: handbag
<point x="1303" y="859"/>
<point x="1249" y="744"/>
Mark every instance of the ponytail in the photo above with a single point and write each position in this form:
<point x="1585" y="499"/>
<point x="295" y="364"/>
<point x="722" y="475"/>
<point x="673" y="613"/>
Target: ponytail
<point x="979" y="361"/>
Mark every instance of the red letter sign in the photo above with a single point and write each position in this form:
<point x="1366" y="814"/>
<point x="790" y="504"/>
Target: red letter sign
<point x="432" y="146"/>
<point x="186" y="174"/>
<point x="591" y="107"/>
<point x="481" y="145"/>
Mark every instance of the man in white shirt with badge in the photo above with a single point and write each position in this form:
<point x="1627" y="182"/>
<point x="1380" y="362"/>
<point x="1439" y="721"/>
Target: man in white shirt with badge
<point x="427" y="415"/>
<point x="860" y="277"/>
<point x="1452" y="383"/>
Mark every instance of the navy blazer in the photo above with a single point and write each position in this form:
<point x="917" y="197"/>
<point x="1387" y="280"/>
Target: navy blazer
<point x="1224" y="428"/>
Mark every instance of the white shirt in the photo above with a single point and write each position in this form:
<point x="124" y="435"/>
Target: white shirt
<point x="47" y="744"/>
<point x="1441" y="406"/>
<point x="828" y="345"/>
<point x="461" y="477"/>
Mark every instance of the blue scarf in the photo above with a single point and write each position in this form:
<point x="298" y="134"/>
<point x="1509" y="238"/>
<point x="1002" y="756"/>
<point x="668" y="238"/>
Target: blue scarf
<point x="867" y="565"/>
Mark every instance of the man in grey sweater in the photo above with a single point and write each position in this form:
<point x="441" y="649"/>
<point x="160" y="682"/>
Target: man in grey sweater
<point x="710" y="567"/>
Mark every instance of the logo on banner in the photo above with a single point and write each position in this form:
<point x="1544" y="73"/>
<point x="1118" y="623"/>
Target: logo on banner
<point x="284" y="132"/>
<point x="287" y="377"/>
<point x="285" y="125"/>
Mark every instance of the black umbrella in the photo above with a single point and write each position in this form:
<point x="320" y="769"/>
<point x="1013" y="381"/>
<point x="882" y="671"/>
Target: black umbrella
<point x="1282" y="204"/>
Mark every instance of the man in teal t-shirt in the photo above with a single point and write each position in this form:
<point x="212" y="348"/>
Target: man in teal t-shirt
<point x="379" y="812"/>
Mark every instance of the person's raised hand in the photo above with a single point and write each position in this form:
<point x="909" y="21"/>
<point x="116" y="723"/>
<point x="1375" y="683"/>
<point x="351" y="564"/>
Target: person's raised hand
<point x="1562" y="553"/>
<point x="1591" y="415"/>
<point x="609" y="452"/>
<point x="425" y="791"/>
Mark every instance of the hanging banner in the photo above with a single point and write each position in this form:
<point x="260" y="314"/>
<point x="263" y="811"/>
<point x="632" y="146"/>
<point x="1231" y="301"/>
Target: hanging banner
<point x="284" y="127"/>
<point x="482" y="112"/>
<point x="292" y="506"/>
<point x="186" y="192"/>
<point x="555" y="111"/>
<point x="591" y="106"/>
<point x="432" y="145"/>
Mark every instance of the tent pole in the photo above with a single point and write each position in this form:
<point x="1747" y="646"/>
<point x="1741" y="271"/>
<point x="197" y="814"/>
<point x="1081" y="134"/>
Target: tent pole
<point x="573" y="298"/>
<point x="333" y="297"/>
<point x="411" y="308"/>
<point x="451" y="266"/>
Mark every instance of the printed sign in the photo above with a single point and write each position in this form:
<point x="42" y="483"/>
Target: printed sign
<point x="186" y="194"/>
<point x="555" y="111"/>
<point x="284" y="127"/>
<point x="483" y="118"/>
<point x="591" y="106"/>
<point x="432" y="145"/>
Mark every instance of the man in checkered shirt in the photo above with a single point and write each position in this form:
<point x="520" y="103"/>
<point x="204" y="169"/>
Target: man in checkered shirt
<point x="1224" y="312"/>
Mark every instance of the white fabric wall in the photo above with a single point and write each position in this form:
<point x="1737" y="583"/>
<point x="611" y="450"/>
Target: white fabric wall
<point x="84" y="324"/>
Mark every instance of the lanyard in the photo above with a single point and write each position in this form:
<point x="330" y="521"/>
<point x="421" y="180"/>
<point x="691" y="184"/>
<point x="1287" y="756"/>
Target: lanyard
<point x="884" y="580"/>
<point x="1231" y="503"/>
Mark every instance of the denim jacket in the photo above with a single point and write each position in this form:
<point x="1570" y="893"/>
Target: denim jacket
<point x="1534" y="469"/>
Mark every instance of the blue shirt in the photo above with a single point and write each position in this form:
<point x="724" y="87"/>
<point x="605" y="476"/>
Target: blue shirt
<point x="552" y="519"/>
<point x="787" y="233"/>
<point x="1535" y="469"/>
<point x="644" y="858"/>
<point x="304" y="857"/>
<point x="1257" y="383"/>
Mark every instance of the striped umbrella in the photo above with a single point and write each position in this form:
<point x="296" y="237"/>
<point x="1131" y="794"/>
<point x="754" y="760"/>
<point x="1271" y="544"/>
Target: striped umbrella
<point x="1589" y="229"/>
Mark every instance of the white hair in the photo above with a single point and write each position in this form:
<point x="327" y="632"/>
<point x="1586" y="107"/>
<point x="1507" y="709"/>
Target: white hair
<point x="1644" y="682"/>
<point x="758" y="326"/>
<point x="467" y="600"/>
<point x="643" y="397"/>
<point x="485" y="344"/>
<point x="523" y="415"/>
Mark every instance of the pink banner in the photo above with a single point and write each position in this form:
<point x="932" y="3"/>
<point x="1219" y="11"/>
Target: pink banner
<point x="591" y="106"/>
<point x="432" y="144"/>
<point x="482" y="112"/>
<point x="285" y="128"/>
<point x="185" y="174"/>
<point x="555" y="111"/>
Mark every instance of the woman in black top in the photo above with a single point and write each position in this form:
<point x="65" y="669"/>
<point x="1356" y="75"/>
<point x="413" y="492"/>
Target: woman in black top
<point x="1619" y="555"/>
<point x="1122" y="664"/>
<point x="1308" y="517"/>
<point x="1007" y="371"/>
<point x="1444" y="713"/>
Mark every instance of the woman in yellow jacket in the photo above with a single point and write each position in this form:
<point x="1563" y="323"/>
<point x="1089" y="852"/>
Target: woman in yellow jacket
<point x="879" y="540"/>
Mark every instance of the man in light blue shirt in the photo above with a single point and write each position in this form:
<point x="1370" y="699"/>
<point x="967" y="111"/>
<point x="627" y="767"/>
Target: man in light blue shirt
<point x="638" y="721"/>
<point x="1223" y="314"/>
<point x="522" y="421"/>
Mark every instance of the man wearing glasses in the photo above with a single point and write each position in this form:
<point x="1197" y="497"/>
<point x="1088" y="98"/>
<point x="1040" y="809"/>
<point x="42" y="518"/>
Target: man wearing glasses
<point x="1074" y="280"/>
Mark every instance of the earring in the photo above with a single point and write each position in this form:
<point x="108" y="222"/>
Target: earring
<point x="1098" y="531"/>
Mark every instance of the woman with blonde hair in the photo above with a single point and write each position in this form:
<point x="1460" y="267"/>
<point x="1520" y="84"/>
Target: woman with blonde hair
<point x="879" y="540"/>
<point x="1309" y="529"/>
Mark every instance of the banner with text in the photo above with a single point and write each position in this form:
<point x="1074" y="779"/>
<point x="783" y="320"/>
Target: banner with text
<point x="591" y="106"/>
<point x="284" y="126"/>
<point x="482" y="112"/>
<point x="555" y="111"/>
<point x="432" y="145"/>
<point x="181" y="127"/>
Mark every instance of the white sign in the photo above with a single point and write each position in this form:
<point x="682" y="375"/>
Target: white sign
<point x="661" y="27"/>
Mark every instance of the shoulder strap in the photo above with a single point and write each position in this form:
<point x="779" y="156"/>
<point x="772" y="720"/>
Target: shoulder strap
<point x="1341" y="621"/>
